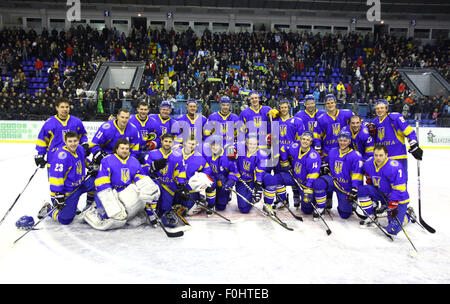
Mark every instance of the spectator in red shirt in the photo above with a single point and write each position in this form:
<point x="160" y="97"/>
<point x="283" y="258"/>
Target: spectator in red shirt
<point x="69" y="52"/>
<point x="38" y="65"/>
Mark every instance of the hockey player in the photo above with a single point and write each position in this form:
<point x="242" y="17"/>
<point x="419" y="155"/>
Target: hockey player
<point x="302" y="162"/>
<point x="223" y="123"/>
<point x="161" y="123"/>
<point x="51" y="135"/>
<point x="392" y="129"/>
<point x="109" y="132"/>
<point x="68" y="181"/>
<point x="190" y="123"/>
<point x="224" y="174"/>
<point x="291" y="127"/>
<point x="388" y="185"/>
<point x="256" y="120"/>
<point x="251" y="171"/>
<point x="165" y="166"/>
<point x="193" y="162"/>
<point x="331" y="124"/>
<point x="361" y="139"/>
<point x="122" y="189"/>
<point x="145" y="125"/>
<point x="343" y="176"/>
<point x="310" y="114"/>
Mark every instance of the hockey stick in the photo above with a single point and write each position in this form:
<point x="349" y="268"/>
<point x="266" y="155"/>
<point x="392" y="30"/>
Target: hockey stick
<point x="297" y="217"/>
<point x="37" y="223"/>
<point x="421" y="220"/>
<point x="205" y="206"/>
<point x="170" y="234"/>
<point x="315" y="208"/>
<point x="7" y="212"/>
<point x="365" y="212"/>
<point x="404" y="231"/>
<point x="273" y="218"/>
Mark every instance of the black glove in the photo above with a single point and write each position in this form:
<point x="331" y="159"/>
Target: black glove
<point x="92" y="169"/>
<point x="59" y="200"/>
<point x="325" y="168"/>
<point x="158" y="164"/>
<point x="98" y="156"/>
<point x="86" y="148"/>
<point x="257" y="192"/>
<point x="183" y="192"/>
<point x="39" y="160"/>
<point x="353" y="195"/>
<point x="415" y="150"/>
<point x="372" y="130"/>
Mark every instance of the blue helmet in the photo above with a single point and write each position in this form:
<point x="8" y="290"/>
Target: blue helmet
<point x="307" y="133"/>
<point x="225" y="99"/>
<point x="383" y="101"/>
<point x="191" y="101"/>
<point x="345" y="134"/>
<point x="309" y="97"/>
<point x="330" y="96"/>
<point x="165" y="103"/>
<point x="25" y="222"/>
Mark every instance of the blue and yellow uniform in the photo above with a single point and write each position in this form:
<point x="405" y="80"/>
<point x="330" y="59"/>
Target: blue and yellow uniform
<point x="167" y="178"/>
<point x="361" y="141"/>
<point x="388" y="184"/>
<point x="310" y="120"/>
<point x="329" y="127"/>
<point x="160" y="126"/>
<point x="51" y="135"/>
<point x="256" y="122"/>
<point x="107" y="135"/>
<point x="346" y="173"/>
<point x="185" y="126"/>
<point x="67" y="176"/>
<point x="391" y="132"/>
<point x="222" y="125"/>
<point x="145" y="128"/>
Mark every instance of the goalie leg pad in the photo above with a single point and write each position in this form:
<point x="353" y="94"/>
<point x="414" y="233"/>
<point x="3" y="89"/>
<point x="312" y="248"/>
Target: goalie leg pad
<point x="92" y="217"/>
<point x="148" y="190"/>
<point x="112" y="205"/>
<point x="130" y="200"/>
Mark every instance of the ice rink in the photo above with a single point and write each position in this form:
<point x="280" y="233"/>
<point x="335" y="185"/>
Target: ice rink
<point x="255" y="250"/>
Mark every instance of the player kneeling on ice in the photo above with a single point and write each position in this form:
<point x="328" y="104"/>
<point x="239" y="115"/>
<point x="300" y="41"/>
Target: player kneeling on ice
<point x="68" y="181"/>
<point x="122" y="190"/>
<point x="165" y="166"/>
<point x="303" y="163"/>
<point x="340" y="173"/>
<point x="224" y="173"/>
<point x="386" y="183"/>
<point x="194" y="164"/>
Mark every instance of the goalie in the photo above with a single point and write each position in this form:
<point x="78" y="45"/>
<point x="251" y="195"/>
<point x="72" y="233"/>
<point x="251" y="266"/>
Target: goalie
<point x="122" y="190"/>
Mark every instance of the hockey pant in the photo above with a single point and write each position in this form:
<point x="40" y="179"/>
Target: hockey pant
<point x="218" y="196"/>
<point x="243" y="206"/>
<point x="67" y="214"/>
<point x="369" y="193"/>
<point x="324" y="185"/>
<point x="277" y="183"/>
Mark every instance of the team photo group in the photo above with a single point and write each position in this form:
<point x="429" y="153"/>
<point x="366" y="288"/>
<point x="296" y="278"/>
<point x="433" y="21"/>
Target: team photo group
<point x="153" y="169"/>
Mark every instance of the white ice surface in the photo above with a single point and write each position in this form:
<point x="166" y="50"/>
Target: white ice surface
<point x="214" y="251"/>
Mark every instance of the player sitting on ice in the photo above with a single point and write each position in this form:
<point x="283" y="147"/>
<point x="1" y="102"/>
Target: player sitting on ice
<point x="342" y="174"/>
<point x="68" y="181"/>
<point x="122" y="190"/>
<point x="386" y="183"/>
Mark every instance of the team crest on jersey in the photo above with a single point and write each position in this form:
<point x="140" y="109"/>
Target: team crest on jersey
<point x="125" y="175"/>
<point x="381" y="133"/>
<point x="338" y="166"/>
<point x="298" y="168"/>
<point x="106" y="126"/>
<point x="311" y="125"/>
<point x="64" y="133"/>
<point x="283" y="130"/>
<point x="79" y="168"/>
<point x="394" y="163"/>
<point x="62" y="155"/>
<point x="336" y="128"/>
<point x="164" y="170"/>
<point x="257" y="121"/>
<point x="246" y="165"/>
<point x="313" y="155"/>
<point x="163" y="130"/>
<point x="376" y="181"/>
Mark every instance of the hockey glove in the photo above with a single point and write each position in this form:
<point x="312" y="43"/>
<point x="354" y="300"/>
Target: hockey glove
<point x="230" y="183"/>
<point x="393" y="208"/>
<point x="39" y="160"/>
<point x="415" y="150"/>
<point x="59" y="200"/>
<point x="92" y="169"/>
<point x="150" y="145"/>
<point x="325" y="169"/>
<point x="368" y="180"/>
<point x="183" y="192"/>
<point x="86" y="148"/>
<point x="372" y="130"/>
<point x="231" y="152"/>
<point x="257" y="192"/>
<point x="98" y="156"/>
<point x="352" y="197"/>
<point x="158" y="164"/>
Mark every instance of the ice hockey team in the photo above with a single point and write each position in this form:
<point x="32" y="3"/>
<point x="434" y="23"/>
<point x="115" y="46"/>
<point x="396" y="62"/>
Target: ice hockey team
<point x="154" y="169"/>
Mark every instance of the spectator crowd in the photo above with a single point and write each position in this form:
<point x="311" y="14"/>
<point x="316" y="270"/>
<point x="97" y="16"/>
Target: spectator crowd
<point x="179" y="66"/>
